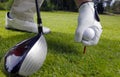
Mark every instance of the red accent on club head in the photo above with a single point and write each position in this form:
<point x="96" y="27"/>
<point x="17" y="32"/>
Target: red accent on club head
<point x="19" y="51"/>
<point x="21" y="48"/>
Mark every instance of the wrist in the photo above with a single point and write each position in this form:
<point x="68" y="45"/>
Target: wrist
<point x="80" y="2"/>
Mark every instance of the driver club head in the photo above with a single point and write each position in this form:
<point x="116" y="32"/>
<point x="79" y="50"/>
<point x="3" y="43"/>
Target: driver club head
<point x="26" y="57"/>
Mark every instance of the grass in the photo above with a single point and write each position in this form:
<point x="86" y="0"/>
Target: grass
<point x="65" y="57"/>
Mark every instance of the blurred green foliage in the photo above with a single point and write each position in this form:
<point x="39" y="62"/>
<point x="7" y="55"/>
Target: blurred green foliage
<point x="48" y="5"/>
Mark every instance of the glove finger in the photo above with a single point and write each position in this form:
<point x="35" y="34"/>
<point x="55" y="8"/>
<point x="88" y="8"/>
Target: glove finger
<point x="79" y="34"/>
<point x="82" y="26"/>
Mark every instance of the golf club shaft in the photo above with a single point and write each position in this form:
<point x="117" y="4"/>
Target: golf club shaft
<point x="39" y="20"/>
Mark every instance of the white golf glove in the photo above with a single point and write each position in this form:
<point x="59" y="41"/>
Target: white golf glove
<point x="88" y="18"/>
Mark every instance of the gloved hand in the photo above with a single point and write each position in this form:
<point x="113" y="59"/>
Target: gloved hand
<point x="88" y="18"/>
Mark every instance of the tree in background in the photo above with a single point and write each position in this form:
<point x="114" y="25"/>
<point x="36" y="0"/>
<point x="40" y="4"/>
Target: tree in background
<point x="69" y="5"/>
<point x="109" y="6"/>
<point x="116" y="7"/>
<point x="5" y="4"/>
<point x="48" y="5"/>
<point x="66" y="5"/>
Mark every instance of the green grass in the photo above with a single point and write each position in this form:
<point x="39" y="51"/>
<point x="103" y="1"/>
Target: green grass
<point x="65" y="57"/>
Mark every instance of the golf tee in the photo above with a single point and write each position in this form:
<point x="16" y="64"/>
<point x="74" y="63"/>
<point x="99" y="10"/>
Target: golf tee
<point x="84" y="51"/>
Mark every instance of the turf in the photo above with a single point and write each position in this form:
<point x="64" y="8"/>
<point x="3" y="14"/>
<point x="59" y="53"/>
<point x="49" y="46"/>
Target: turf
<point x="65" y="57"/>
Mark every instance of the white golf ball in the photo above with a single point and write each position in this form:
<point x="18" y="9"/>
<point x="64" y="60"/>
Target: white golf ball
<point x="88" y="34"/>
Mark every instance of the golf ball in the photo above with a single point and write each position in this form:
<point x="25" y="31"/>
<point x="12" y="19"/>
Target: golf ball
<point x="88" y="34"/>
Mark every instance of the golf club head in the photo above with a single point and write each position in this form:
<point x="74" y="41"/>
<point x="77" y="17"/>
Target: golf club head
<point x="26" y="57"/>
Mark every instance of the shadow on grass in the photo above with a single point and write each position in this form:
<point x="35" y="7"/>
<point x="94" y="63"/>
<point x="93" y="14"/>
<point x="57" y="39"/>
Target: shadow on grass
<point x="57" y="43"/>
<point x="62" y="43"/>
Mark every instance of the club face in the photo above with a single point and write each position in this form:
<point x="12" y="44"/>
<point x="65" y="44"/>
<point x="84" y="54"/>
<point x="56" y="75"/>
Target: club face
<point x="16" y="57"/>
